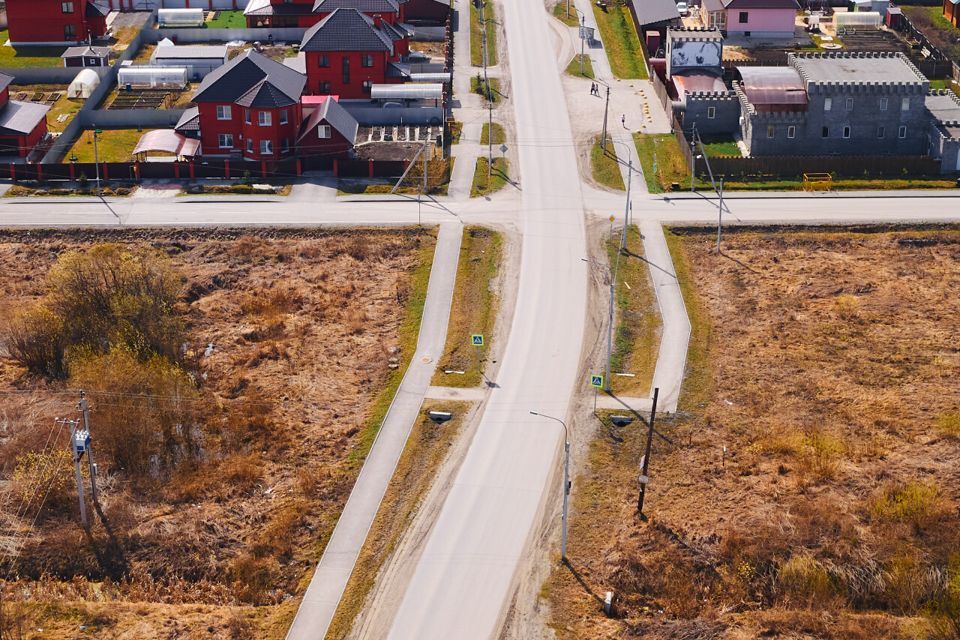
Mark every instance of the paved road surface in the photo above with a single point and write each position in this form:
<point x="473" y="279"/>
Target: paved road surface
<point x="326" y="587"/>
<point x="463" y="579"/>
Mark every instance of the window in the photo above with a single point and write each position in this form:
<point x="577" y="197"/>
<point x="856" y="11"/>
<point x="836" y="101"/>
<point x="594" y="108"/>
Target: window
<point x="69" y="32"/>
<point x="66" y="7"/>
<point x="366" y="61"/>
<point x="771" y="131"/>
<point x="223" y="112"/>
<point x="225" y="140"/>
<point x="883" y="103"/>
<point x="246" y="116"/>
<point x="902" y="132"/>
<point x="744" y="17"/>
<point x="825" y="132"/>
<point x="266" y="147"/>
<point x="827" y="104"/>
<point x="323" y="61"/>
<point x="264" y="118"/>
<point x="849" y="104"/>
<point x="791" y="132"/>
<point x="846" y="132"/>
<point x="286" y="145"/>
<point x="324" y="88"/>
<point x="905" y="104"/>
<point x="880" y="132"/>
<point x="324" y="132"/>
<point x="711" y="113"/>
<point x="367" y="86"/>
<point x="249" y="145"/>
<point x="345" y="68"/>
<point x="284" y="118"/>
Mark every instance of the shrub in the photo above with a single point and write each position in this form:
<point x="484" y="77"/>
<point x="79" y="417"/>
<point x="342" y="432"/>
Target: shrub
<point x="36" y="339"/>
<point x="44" y="477"/>
<point x="803" y="579"/>
<point x="914" y="503"/>
<point x="949" y="424"/>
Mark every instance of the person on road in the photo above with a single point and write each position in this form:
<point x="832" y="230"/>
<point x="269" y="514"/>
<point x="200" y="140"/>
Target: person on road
<point x="623" y="120"/>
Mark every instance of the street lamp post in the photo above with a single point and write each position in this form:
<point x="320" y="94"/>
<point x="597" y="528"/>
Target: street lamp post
<point x="96" y="157"/>
<point x="566" y="482"/>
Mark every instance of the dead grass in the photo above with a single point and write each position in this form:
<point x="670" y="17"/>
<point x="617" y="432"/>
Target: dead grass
<point x="474" y="308"/>
<point x="426" y="448"/>
<point x="303" y="326"/>
<point x="823" y="363"/>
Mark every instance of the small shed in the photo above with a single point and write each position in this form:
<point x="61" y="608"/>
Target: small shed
<point x="84" y="84"/>
<point x="86" y="56"/>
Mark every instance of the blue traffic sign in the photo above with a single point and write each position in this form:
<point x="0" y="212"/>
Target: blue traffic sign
<point x="596" y="381"/>
<point x="476" y="340"/>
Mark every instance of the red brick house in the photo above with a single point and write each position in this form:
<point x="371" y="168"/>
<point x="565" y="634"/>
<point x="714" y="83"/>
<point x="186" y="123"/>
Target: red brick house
<point x="951" y="11"/>
<point x="54" y="21"/>
<point x="348" y="52"/>
<point x="250" y="107"/>
<point x="22" y="124"/>
<point x="327" y="129"/>
<point x="306" y="13"/>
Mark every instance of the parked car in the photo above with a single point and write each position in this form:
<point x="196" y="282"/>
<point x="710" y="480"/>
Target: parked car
<point x="683" y="8"/>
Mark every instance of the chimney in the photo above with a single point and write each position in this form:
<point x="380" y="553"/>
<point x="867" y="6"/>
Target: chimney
<point x="378" y="21"/>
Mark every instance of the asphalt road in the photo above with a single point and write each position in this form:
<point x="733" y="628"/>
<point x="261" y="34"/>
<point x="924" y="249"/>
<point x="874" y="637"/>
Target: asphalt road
<point x="462" y="582"/>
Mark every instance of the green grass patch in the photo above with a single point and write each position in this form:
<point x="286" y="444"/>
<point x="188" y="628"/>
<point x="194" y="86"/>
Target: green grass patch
<point x="426" y="448"/>
<point x="499" y="136"/>
<point x="482" y="185"/>
<point x="838" y="184"/>
<point x="621" y="42"/>
<point x="456" y="130"/>
<point x="228" y="20"/>
<point x="662" y="150"/>
<point x="28" y="56"/>
<point x="721" y="147"/>
<point x="637" y="331"/>
<point x="698" y="382"/>
<point x="604" y="166"/>
<point x="560" y="13"/>
<point x="113" y="145"/>
<point x="415" y="296"/>
<point x="476" y="35"/>
<point x="474" y="309"/>
<point x="573" y="68"/>
<point x="479" y="87"/>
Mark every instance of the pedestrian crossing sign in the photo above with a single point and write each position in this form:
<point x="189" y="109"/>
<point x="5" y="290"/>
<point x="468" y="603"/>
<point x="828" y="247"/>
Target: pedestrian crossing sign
<point x="596" y="381"/>
<point x="476" y="340"/>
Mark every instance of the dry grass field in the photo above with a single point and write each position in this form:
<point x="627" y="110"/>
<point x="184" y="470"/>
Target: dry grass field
<point x="310" y="333"/>
<point x="826" y="364"/>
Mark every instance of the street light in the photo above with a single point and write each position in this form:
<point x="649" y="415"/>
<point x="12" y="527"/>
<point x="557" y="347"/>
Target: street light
<point x="96" y="157"/>
<point x="566" y="482"/>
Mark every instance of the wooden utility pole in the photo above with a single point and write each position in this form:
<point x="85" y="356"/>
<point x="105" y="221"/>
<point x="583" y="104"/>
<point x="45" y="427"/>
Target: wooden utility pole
<point x="645" y="462"/>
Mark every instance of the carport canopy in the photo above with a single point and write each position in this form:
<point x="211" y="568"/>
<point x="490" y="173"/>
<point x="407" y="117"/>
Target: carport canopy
<point x="166" y="141"/>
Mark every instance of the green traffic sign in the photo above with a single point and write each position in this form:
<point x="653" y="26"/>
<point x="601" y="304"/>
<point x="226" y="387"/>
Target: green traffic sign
<point x="476" y="340"/>
<point x="596" y="381"/>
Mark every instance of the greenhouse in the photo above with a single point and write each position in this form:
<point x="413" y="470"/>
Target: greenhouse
<point x="84" y="84"/>
<point x="153" y="77"/>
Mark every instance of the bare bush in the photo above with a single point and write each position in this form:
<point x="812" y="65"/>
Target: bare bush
<point x="43" y="481"/>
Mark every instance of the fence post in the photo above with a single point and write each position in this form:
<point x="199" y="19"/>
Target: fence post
<point x="299" y="167"/>
<point x="13" y="173"/>
<point x="39" y="172"/>
<point x="226" y="168"/>
<point x="263" y="168"/>
<point x="193" y="171"/>
<point x="106" y="172"/>
<point x="73" y="171"/>
<point x="370" y="170"/>
<point x="336" y="168"/>
<point x="136" y="170"/>
<point x="176" y="170"/>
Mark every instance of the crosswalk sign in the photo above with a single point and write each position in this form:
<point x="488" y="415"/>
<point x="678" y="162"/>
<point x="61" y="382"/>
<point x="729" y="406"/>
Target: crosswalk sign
<point x="596" y="381"/>
<point x="476" y="340"/>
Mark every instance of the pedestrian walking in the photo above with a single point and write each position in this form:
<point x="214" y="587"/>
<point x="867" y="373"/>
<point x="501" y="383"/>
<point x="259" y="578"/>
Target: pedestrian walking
<point x="623" y="120"/>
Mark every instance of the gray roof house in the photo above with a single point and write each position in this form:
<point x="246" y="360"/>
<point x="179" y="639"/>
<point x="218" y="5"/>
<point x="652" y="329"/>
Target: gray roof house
<point x="349" y="30"/>
<point x="255" y="79"/>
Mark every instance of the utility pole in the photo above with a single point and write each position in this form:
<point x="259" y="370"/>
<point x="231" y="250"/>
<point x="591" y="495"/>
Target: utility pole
<point x="489" y="92"/>
<point x="645" y="463"/>
<point x="84" y="408"/>
<point x="720" y="216"/>
<point x="606" y="108"/>
<point x="566" y="483"/>
<point x="78" y="444"/>
<point x="423" y="187"/>
<point x="693" y="156"/>
<point x="96" y="157"/>
<point x="583" y="40"/>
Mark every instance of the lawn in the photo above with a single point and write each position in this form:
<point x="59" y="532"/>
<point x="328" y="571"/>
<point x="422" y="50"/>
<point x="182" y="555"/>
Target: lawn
<point x="794" y="475"/>
<point x="474" y="309"/>
<point x="637" y="329"/>
<point x="228" y="20"/>
<point x="476" y="35"/>
<point x="499" y="136"/>
<point x="938" y="29"/>
<point x="113" y="145"/>
<point x="499" y="176"/>
<point x="64" y="107"/>
<point x="573" y="68"/>
<point x="720" y="146"/>
<point x="663" y="151"/>
<point x="560" y="13"/>
<point x="31" y="56"/>
<point x="621" y="42"/>
<point x="479" y="87"/>
<point x="604" y="165"/>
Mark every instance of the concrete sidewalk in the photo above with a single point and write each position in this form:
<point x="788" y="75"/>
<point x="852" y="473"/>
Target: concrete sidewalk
<point x="330" y="578"/>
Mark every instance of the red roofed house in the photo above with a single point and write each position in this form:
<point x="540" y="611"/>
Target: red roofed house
<point x="306" y="13"/>
<point x="54" y="21"/>
<point x="22" y="124"/>
<point x="327" y="129"/>
<point x="348" y="52"/>
<point x="249" y="106"/>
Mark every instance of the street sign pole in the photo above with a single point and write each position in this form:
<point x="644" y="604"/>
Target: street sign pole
<point x="645" y="463"/>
